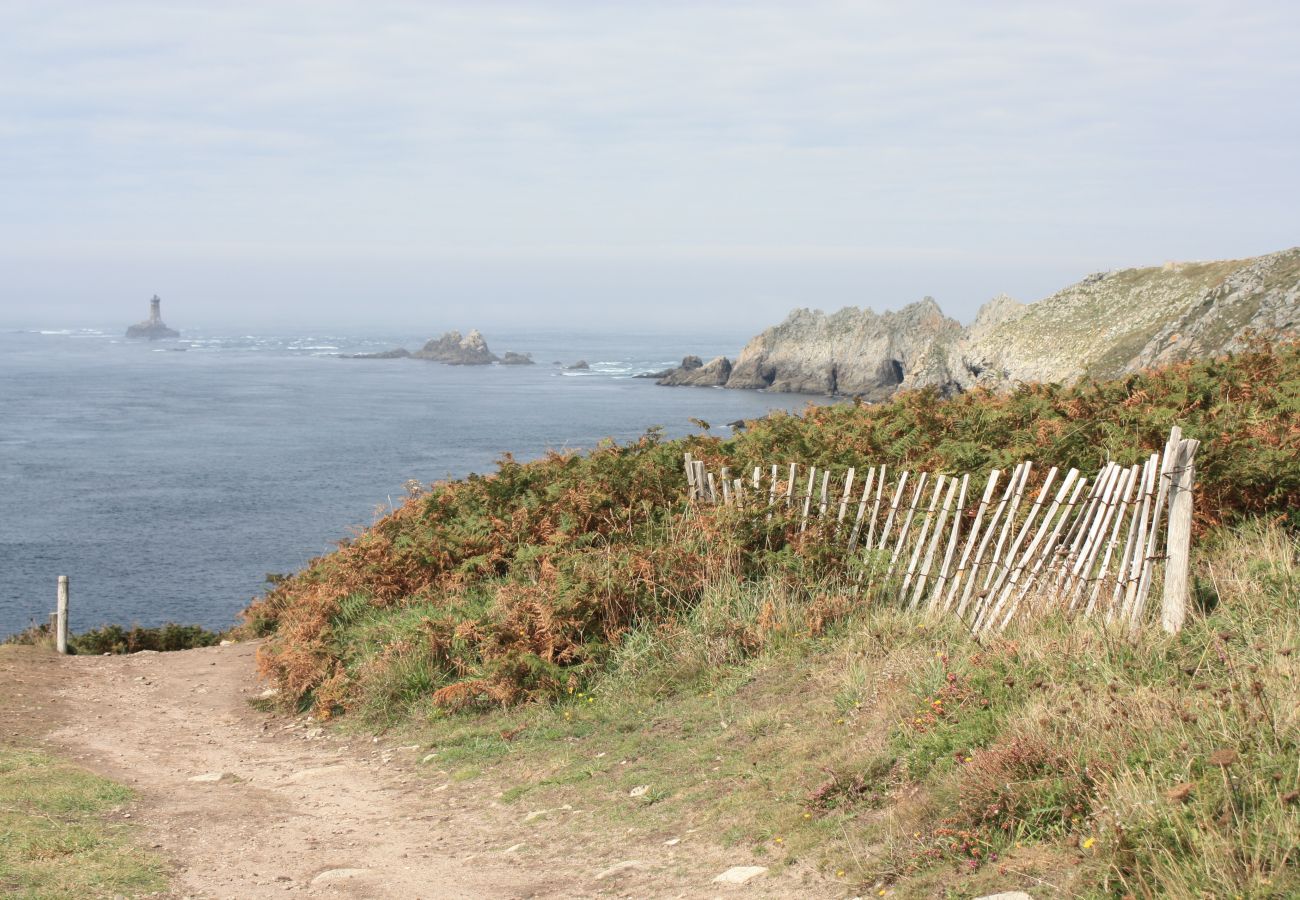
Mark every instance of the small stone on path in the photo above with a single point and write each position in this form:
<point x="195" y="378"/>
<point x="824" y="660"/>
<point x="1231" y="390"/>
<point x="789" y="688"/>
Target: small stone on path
<point x="209" y="777"/>
<point x="639" y="791"/>
<point x="1006" y="895"/>
<point x="331" y="875"/>
<point x="740" y="874"/>
<point x="621" y="867"/>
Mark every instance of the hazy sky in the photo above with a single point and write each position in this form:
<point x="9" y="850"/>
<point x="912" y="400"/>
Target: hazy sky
<point x="436" y="165"/>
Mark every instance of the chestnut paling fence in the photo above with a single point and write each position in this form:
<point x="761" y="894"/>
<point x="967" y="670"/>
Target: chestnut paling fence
<point x="1087" y="546"/>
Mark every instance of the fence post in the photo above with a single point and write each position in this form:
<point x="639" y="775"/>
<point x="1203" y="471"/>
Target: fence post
<point x="1173" y="610"/>
<point x="61" y="628"/>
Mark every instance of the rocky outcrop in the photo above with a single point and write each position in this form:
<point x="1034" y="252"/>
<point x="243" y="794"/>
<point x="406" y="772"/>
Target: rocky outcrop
<point x="697" y="373"/>
<point x="517" y="359"/>
<point x="1116" y="322"/>
<point x="580" y="366"/>
<point x="152" y="328"/>
<point x="398" y="353"/>
<point x="855" y="352"/>
<point x="451" y="348"/>
<point x="1108" y="324"/>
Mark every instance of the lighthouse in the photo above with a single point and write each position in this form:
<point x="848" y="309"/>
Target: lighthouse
<point x="152" y="329"/>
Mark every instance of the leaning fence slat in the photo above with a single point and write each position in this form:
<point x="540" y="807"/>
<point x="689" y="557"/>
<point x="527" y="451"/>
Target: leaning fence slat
<point x="1119" y="594"/>
<point x="1105" y="535"/>
<point x="972" y="575"/>
<point x="1046" y="553"/>
<point x="1009" y="559"/>
<point x="928" y="562"/>
<point x="1109" y="481"/>
<point x="907" y="520"/>
<point x="980" y="510"/>
<point x="1020" y="561"/>
<point x="1007" y="524"/>
<point x="875" y="508"/>
<point x="844" y="498"/>
<point x="807" y="499"/>
<point x="862" y="508"/>
<point x="945" y="570"/>
<point x="826" y="482"/>
<point x="893" y="510"/>
<point x="939" y="484"/>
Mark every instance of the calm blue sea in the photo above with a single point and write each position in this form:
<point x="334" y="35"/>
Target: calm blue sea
<point x="167" y="484"/>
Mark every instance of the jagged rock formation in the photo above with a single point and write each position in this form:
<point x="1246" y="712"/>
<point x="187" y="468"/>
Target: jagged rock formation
<point x="451" y="348"/>
<point x="580" y="366"/>
<point x="512" y="358"/>
<point x="152" y="328"/>
<point x="1107" y="324"/>
<point x="694" y="371"/>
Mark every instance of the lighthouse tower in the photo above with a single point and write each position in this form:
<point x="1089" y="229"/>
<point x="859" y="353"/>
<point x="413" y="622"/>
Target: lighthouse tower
<point x="152" y="329"/>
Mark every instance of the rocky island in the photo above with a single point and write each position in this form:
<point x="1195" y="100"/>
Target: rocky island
<point x="1107" y="325"/>
<point x="152" y="328"/>
<point x="454" y="350"/>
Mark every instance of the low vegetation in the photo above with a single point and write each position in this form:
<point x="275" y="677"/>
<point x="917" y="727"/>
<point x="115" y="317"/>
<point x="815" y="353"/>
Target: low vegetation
<point x="58" y="837"/>
<point x="116" y="639"/>
<point x="562" y="628"/>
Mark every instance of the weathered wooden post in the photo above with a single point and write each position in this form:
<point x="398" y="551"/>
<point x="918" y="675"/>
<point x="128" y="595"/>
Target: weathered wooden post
<point x="1173" y="610"/>
<point x="61" y="627"/>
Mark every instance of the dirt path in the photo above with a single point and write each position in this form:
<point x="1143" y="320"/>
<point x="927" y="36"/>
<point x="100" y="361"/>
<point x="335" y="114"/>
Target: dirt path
<point x="247" y="805"/>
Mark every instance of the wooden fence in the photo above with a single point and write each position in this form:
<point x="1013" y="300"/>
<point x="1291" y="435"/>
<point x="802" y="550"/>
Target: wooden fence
<point x="1086" y="546"/>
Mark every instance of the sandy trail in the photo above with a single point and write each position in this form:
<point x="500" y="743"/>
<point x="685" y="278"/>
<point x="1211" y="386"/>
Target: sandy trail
<point x="249" y="805"/>
<point x="293" y="812"/>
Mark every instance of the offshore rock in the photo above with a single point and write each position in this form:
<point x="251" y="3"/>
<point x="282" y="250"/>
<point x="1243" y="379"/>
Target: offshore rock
<point x="397" y="353"/>
<point x="152" y="328"/>
<point x="855" y="352"/>
<point x="695" y="372"/>
<point x="451" y="348"/>
<point x="580" y="366"/>
<point x="517" y="359"/>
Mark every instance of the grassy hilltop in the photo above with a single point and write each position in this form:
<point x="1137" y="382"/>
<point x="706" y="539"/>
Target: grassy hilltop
<point x="519" y="621"/>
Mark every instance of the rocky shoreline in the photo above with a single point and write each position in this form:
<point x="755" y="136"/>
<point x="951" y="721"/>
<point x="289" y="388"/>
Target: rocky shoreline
<point x="1107" y="325"/>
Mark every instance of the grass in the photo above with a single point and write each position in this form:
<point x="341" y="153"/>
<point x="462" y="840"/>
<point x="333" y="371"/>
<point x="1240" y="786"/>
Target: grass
<point x="562" y="632"/>
<point x="1063" y="759"/>
<point x="56" y="839"/>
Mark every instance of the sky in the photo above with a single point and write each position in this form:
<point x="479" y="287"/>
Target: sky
<point x="669" y="165"/>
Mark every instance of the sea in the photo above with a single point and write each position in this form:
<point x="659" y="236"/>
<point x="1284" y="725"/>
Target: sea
<point x="168" y="479"/>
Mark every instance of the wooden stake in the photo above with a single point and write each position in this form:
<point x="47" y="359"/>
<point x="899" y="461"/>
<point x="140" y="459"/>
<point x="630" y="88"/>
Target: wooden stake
<point x="61" y="623"/>
<point x="875" y="509"/>
<point x="1173" y="609"/>
<point x="1162" y="492"/>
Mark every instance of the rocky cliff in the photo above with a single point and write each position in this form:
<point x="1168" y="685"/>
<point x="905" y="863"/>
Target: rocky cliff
<point x="1107" y="324"/>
